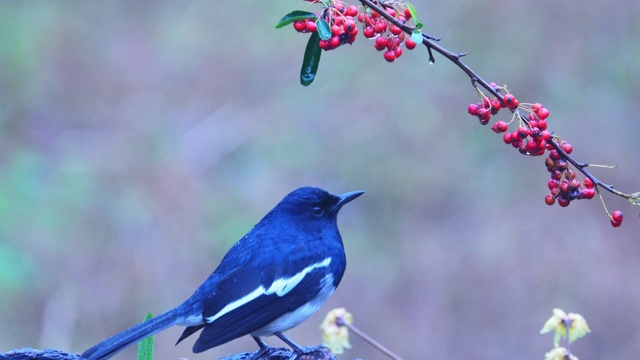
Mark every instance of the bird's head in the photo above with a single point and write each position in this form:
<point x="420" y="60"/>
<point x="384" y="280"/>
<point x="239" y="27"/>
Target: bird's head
<point x="313" y="203"/>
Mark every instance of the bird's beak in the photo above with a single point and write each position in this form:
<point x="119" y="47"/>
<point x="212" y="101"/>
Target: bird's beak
<point x="347" y="197"/>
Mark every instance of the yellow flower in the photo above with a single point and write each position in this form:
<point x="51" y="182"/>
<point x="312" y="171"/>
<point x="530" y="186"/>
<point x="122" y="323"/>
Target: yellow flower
<point x="335" y="336"/>
<point x="560" y="320"/>
<point x="559" y="353"/>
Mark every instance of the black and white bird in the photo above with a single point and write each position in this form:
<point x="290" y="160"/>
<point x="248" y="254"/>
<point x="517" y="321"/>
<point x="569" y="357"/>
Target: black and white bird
<point x="270" y="281"/>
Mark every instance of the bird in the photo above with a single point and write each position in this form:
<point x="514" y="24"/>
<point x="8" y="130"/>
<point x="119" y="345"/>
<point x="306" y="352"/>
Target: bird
<point x="269" y="281"/>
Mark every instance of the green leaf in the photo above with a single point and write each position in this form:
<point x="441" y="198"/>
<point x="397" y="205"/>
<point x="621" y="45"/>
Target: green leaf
<point x="145" y="347"/>
<point x="416" y="36"/>
<point x="324" y="30"/>
<point x="413" y="12"/>
<point x="311" y="60"/>
<point x="419" y="26"/>
<point x="295" y="16"/>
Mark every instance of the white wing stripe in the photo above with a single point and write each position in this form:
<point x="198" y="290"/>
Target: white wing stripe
<point x="282" y="286"/>
<point x="236" y="304"/>
<point x="279" y="287"/>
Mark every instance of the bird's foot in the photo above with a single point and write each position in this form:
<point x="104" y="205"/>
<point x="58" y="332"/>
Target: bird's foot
<point x="312" y="353"/>
<point x="265" y="353"/>
<point x="306" y="352"/>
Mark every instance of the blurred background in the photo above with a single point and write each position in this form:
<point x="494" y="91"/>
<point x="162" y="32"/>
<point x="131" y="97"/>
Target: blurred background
<point x="140" y="139"/>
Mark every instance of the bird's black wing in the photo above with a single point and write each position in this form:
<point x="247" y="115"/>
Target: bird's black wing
<point x="265" y="298"/>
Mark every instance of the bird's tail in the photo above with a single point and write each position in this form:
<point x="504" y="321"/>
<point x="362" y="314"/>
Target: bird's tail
<point x="119" y="342"/>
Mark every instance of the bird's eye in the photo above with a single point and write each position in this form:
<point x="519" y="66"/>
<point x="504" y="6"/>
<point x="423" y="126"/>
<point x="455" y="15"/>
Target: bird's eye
<point x="317" y="211"/>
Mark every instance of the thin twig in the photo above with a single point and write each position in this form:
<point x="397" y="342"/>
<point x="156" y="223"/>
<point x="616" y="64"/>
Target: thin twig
<point x="367" y="338"/>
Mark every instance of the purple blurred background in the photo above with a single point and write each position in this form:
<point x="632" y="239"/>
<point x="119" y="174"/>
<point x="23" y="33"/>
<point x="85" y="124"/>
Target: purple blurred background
<point x="140" y="139"/>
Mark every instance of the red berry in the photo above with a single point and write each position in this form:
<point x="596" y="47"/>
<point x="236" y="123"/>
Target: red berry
<point x="410" y="44"/>
<point x="535" y="133"/>
<point x="398" y="51"/>
<point x="510" y="101"/>
<point x="588" y="183"/>
<point x="380" y="26"/>
<point x="311" y="26"/>
<point x="531" y="147"/>
<point x="368" y="20"/>
<point x="549" y="164"/>
<point x="536" y="107"/>
<point x="324" y="45"/>
<point x="391" y="43"/>
<point x="395" y="30"/>
<point x="574" y="184"/>
<point x="542" y="124"/>
<point x="507" y="138"/>
<point x="380" y="43"/>
<point x="552" y="184"/>
<point x="543" y="113"/>
<point x="300" y="26"/>
<point x="550" y="199"/>
<point x="334" y="41"/>
<point x="617" y="216"/>
<point x="523" y="132"/>
<point x="391" y="11"/>
<point x="545" y="135"/>
<point x="361" y="17"/>
<point x="566" y="147"/>
<point x="564" y="202"/>
<point x="615" y="223"/>
<point x="351" y="11"/>
<point x="495" y="106"/>
<point x="564" y="186"/>
<point x="368" y="32"/>
<point x="484" y="115"/>
<point x="589" y="193"/>
<point x="500" y="127"/>
<point x="349" y="26"/>
<point x="390" y="55"/>
<point x="472" y="108"/>
<point x="407" y="13"/>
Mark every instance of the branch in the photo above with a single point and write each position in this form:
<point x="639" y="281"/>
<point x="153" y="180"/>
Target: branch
<point x="322" y="353"/>
<point x="432" y="44"/>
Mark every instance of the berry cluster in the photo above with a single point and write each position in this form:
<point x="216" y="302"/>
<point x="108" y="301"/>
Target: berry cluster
<point x="532" y="138"/>
<point x="564" y="184"/>
<point x="387" y="37"/>
<point x="342" y="17"/>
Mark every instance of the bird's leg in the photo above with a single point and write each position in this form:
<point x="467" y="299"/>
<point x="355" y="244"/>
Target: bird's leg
<point x="264" y="348"/>
<point x="296" y="348"/>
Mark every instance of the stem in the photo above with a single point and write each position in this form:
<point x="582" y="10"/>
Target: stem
<point x="367" y="338"/>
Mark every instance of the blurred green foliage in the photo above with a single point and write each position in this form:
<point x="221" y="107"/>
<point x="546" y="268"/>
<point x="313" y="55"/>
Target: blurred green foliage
<point x="139" y="140"/>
